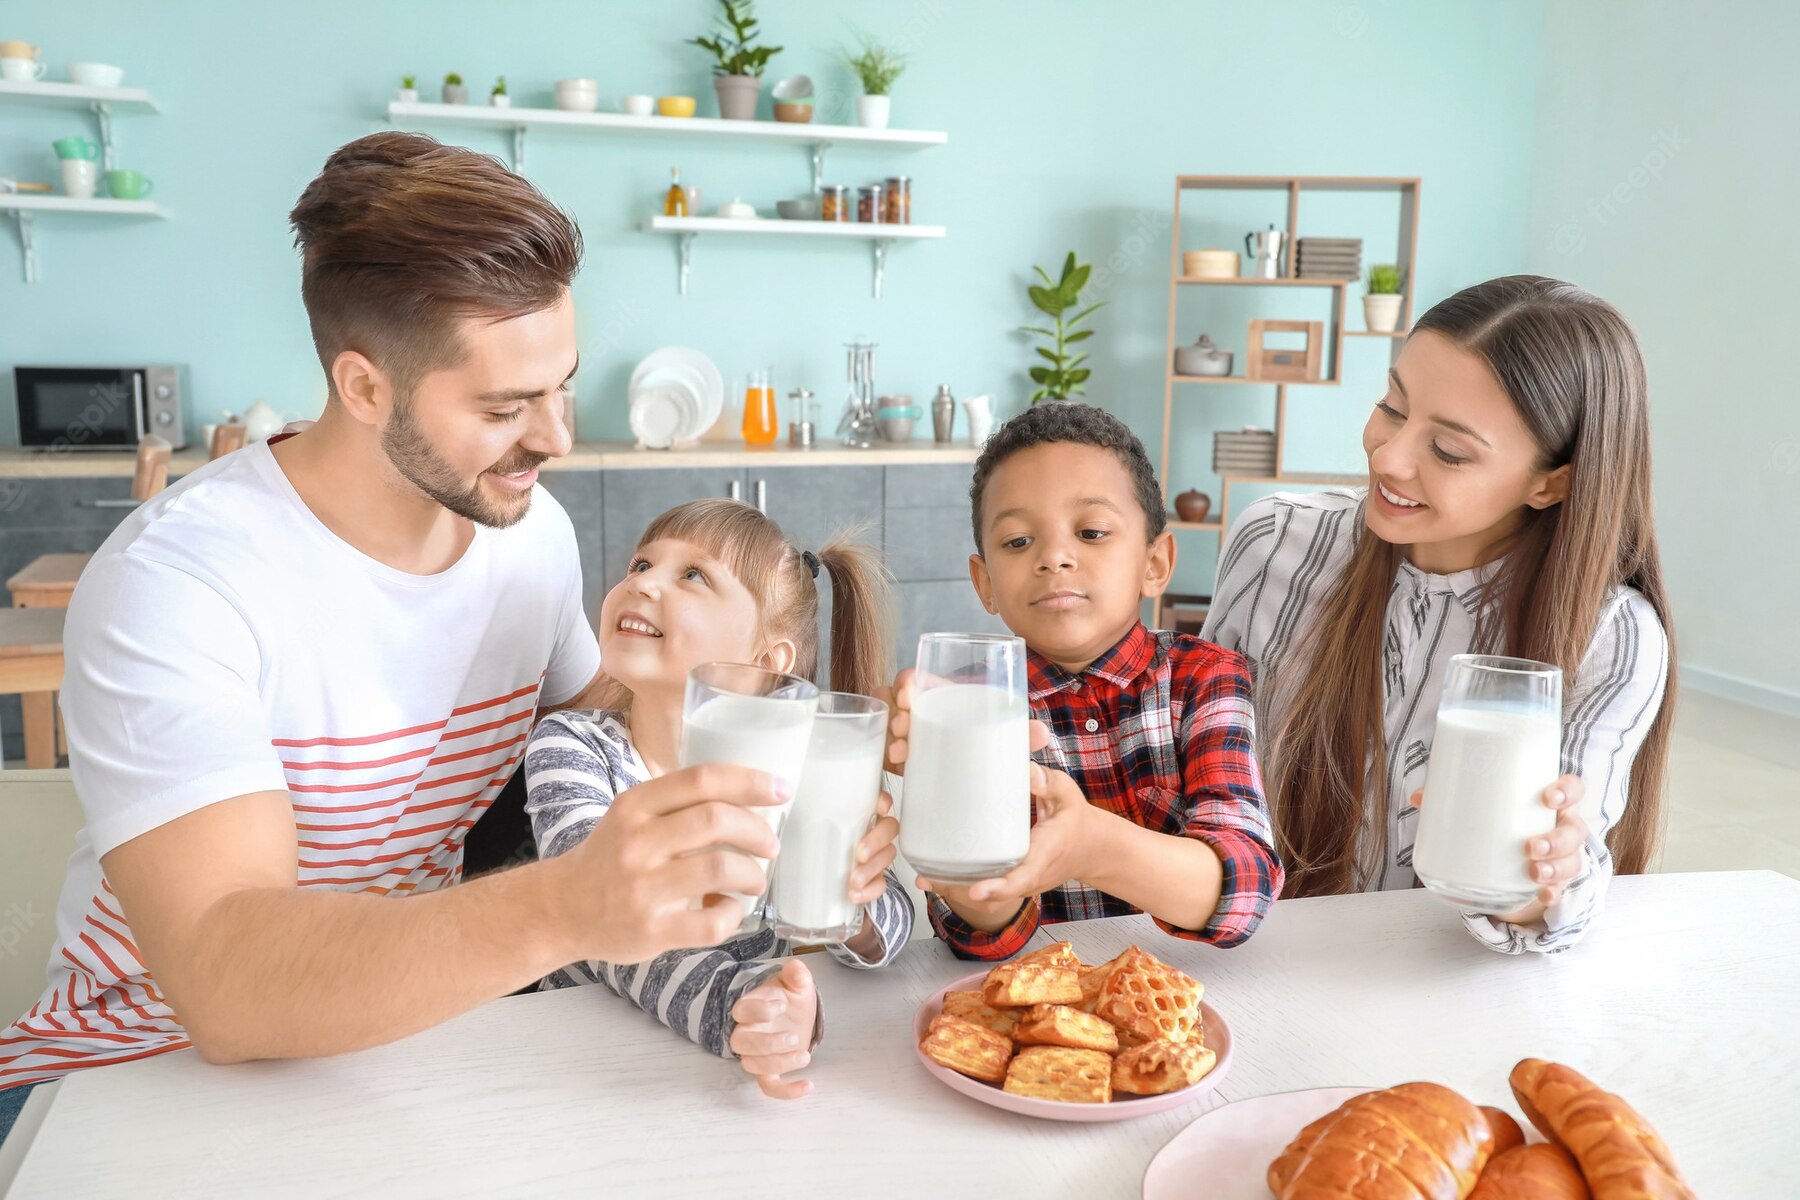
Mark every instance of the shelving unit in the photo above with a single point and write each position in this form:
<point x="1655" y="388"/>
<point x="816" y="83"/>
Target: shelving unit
<point x="814" y="139"/>
<point x="24" y="207"/>
<point x="1406" y="191"/>
<point x="879" y="237"/>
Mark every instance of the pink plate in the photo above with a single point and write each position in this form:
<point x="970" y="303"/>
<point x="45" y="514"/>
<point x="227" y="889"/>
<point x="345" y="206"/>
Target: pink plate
<point x="1218" y="1038"/>
<point x="1232" y="1146"/>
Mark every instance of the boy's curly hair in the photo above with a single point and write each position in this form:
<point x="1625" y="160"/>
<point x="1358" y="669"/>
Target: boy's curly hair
<point x="1085" y="425"/>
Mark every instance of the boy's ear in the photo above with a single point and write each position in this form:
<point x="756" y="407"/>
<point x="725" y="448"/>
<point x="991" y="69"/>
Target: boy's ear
<point x="984" y="587"/>
<point x="1159" y="566"/>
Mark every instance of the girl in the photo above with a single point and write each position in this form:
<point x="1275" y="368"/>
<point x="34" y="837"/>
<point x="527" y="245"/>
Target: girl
<point x="716" y="580"/>
<point x="1507" y="512"/>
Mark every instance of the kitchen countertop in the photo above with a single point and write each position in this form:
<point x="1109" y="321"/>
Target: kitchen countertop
<point x="1685" y="999"/>
<point x="612" y="456"/>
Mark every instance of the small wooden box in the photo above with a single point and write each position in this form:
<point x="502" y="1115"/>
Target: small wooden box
<point x="1305" y="365"/>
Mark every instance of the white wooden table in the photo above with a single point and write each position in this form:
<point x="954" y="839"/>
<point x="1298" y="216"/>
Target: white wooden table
<point x="1686" y="999"/>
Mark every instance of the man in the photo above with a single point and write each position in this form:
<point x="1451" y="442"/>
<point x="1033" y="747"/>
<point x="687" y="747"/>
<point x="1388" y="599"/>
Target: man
<point x="297" y="678"/>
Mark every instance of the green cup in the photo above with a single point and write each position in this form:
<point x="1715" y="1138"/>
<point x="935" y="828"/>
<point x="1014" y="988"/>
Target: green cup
<point x="127" y="185"/>
<point x="76" y="147"/>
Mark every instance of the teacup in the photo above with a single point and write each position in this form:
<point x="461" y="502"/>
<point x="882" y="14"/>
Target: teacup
<point x="16" y="69"/>
<point x="79" y="177"/>
<point x="93" y="74"/>
<point x="18" y="49"/>
<point x="638" y="105"/>
<point x="127" y="185"/>
<point x="72" y="149"/>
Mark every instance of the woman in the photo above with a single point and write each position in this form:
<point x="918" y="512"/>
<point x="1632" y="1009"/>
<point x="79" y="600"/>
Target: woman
<point x="1508" y="512"/>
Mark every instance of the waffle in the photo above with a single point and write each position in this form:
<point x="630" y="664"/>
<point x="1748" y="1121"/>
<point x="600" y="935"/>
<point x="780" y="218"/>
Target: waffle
<point x="967" y="1048"/>
<point x="1149" y="1001"/>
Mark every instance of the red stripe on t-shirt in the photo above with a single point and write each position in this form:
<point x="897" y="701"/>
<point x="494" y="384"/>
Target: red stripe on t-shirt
<point x="304" y="743"/>
<point x="336" y="789"/>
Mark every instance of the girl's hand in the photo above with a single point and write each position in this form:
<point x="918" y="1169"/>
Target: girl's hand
<point x="774" y="1029"/>
<point x="874" y="855"/>
<point x="1554" y="858"/>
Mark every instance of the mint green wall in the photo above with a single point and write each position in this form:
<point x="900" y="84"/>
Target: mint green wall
<point x="1067" y="121"/>
<point x="1666" y="183"/>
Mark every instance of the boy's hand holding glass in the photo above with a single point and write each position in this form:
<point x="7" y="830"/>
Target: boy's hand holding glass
<point x="1555" y="858"/>
<point x="775" y="1022"/>
<point x="1061" y="838"/>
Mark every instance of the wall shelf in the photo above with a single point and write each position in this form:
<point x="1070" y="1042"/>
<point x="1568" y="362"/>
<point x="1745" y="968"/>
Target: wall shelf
<point x="879" y="237"/>
<point x="1258" y="281"/>
<point x="814" y="139"/>
<point x="25" y="207"/>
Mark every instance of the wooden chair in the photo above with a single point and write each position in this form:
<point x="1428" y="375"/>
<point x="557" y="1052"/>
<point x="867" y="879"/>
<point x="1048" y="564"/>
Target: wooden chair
<point x="49" y="580"/>
<point x="31" y="667"/>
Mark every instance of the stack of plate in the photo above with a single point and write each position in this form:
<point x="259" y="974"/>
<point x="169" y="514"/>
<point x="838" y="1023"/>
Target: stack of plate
<point x="1328" y="258"/>
<point x="675" y="396"/>
<point x="1248" y="452"/>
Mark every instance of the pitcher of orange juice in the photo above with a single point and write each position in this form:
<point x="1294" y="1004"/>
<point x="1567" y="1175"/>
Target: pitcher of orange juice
<point x="760" y="425"/>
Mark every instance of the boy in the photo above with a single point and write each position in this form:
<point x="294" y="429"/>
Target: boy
<point x="1161" y="809"/>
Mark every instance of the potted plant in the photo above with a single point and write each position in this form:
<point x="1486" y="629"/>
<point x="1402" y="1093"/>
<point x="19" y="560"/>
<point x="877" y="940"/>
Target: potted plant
<point x="738" y="65"/>
<point x="1381" y="307"/>
<point x="877" y="67"/>
<point x="454" y="91"/>
<point x="498" y="97"/>
<point x="1063" y="378"/>
<point x="409" y="92"/>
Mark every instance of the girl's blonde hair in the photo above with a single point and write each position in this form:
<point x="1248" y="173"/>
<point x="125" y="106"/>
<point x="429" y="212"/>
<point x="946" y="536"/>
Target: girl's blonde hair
<point x="776" y="572"/>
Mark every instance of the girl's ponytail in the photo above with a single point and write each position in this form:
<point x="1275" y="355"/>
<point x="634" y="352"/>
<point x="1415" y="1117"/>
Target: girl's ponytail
<point x="862" y="615"/>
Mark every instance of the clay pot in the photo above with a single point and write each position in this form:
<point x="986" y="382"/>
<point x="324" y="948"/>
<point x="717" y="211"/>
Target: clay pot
<point x="1193" y="506"/>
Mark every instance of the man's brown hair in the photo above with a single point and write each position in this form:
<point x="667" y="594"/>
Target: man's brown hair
<point x="401" y="237"/>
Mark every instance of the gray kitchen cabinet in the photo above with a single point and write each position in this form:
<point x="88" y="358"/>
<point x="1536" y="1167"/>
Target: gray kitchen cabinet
<point x="631" y="499"/>
<point x="927" y="538"/>
<point x="579" y="492"/>
<point x="813" y="503"/>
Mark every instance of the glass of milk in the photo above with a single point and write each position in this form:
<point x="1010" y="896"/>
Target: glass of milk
<point x="736" y="713"/>
<point x="967" y="804"/>
<point x="1498" y="746"/>
<point x="840" y="789"/>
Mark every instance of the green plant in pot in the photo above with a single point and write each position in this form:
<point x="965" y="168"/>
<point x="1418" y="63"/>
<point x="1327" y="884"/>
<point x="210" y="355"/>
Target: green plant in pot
<point x="409" y="90"/>
<point x="738" y="64"/>
<point x="1063" y="377"/>
<point x="454" y="91"/>
<point x="877" y="68"/>
<point x="497" y="96"/>
<point x="1381" y="307"/>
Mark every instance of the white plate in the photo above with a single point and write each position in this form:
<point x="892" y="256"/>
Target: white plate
<point x="712" y="393"/>
<point x="686" y="383"/>
<point x="1232" y="1146"/>
<point x="657" y="415"/>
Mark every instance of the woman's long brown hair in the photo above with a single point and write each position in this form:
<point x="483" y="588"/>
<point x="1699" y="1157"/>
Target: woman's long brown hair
<point x="776" y="573"/>
<point x="1571" y="366"/>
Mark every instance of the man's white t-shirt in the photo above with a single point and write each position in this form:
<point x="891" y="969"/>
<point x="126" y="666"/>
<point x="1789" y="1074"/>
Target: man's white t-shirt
<point x="222" y="642"/>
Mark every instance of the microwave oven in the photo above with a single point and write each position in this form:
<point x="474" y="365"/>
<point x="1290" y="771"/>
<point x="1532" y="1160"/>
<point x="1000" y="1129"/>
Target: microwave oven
<point x="100" y="408"/>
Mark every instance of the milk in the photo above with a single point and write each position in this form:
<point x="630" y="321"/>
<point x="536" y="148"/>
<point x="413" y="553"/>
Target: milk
<point x="752" y="731"/>
<point x="839" y="789"/>
<point x="1483" y="801"/>
<point x="968" y="798"/>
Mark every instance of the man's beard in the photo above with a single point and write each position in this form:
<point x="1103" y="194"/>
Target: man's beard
<point x="415" y="458"/>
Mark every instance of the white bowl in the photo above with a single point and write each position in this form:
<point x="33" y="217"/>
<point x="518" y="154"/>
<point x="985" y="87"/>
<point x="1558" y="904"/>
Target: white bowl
<point x="794" y="88"/>
<point x="93" y="74"/>
<point x="638" y="106"/>
<point x="577" y="95"/>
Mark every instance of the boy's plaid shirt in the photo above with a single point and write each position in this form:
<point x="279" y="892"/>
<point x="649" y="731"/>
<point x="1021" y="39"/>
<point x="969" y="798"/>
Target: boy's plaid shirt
<point x="1160" y="731"/>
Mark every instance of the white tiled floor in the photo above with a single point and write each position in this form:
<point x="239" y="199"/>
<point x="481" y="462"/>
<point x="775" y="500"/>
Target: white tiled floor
<point x="1734" y="788"/>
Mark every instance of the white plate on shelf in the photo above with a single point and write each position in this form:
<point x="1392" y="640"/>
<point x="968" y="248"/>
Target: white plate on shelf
<point x="657" y="416"/>
<point x="688" y="386"/>
<point x="1232" y="1146"/>
<point x="712" y="383"/>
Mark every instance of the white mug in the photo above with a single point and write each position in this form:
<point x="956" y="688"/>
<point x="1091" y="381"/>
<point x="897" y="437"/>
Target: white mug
<point x="22" y="70"/>
<point x="79" y="177"/>
<point x="980" y="412"/>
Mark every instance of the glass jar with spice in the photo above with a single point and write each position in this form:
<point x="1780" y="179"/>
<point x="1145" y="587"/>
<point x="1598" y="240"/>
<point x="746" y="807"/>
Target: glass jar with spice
<point x="897" y="200"/>
<point x="834" y="202"/>
<point x="868" y="204"/>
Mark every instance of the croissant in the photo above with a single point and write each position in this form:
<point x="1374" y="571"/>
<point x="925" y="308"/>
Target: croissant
<point x="1507" y="1133"/>
<point x="1417" y="1141"/>
<point x="1540" y="1172"/>
<point x="1620" y="1155"/>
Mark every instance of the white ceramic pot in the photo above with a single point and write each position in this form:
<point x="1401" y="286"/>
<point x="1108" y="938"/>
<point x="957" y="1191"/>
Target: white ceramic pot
<point x="1382" y="313"/>
<point x="872" y="111"/>
<point x="577" y="95"/>
<point x="406" y="95"/>
<point x="500" y="101"/>
<point x="456" y="93"/>
<point x="262" y="422"/>
<point x="79" y="175"/>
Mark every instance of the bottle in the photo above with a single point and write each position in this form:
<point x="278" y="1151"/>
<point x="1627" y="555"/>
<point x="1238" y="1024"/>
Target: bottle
<point x="943" y="415"/>
<point x="675" y="203"/>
